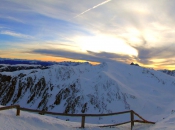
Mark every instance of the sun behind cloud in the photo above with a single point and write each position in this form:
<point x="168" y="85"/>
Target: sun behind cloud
<point x="103" y="43"/>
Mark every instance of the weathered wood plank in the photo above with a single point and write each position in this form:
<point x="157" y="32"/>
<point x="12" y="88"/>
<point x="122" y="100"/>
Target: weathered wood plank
<point x="140" y="116"/>
<point x="149" y="122"/>
<point x="132" y="119"/>
<point x="83" y="115"/>
<point x="64" y="114"/>
<point x="83" y="122"/>
<point x="11" y="107"/>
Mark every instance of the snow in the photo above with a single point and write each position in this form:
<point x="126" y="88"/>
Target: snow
<point x="148" y="92"/>
<point x="31" y="121"/>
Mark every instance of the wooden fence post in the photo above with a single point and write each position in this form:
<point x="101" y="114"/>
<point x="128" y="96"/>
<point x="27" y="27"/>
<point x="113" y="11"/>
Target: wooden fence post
<point x="82" y="121"/>
<point x="18" y="110"/>
<point x="132" y="119"/>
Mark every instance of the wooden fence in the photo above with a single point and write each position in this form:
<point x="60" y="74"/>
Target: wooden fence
<point x="132" y="113"/>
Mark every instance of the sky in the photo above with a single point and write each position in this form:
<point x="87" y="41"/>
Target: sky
<point x="136" y="31"/>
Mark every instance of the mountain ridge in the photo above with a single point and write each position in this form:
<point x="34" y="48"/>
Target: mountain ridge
<point x="85" y="88"/>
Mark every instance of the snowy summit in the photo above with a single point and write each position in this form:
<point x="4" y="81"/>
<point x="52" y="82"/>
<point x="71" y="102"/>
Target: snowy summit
<point x="85" y="88"/>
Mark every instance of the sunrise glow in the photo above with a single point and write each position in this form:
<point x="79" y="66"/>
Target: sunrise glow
<point x="93" y="31"/>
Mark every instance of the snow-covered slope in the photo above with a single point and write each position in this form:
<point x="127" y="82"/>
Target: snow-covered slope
<point x="30" y="121"/>
<point x="105" y="88"/>
<point x="169" y="72"/>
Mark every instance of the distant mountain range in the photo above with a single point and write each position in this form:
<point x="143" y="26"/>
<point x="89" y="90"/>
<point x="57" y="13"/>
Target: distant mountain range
<point x="169" y="72"/>
<point x="36" y="62"/>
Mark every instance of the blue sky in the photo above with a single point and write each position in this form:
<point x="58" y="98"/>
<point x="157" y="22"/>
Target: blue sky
<point x="101" y="30"/>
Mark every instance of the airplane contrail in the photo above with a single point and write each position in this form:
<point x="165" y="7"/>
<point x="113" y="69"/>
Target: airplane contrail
<point x="106" y="1"/>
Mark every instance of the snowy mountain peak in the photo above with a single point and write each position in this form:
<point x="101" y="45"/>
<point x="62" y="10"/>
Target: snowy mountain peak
<point x="85" y="88"/>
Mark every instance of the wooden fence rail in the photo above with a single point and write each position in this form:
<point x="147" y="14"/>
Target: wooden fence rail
<point x="132" y="113"/>
<point x="11" y="107"/>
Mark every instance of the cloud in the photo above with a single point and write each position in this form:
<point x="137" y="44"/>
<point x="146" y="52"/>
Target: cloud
<point x="120" y="18"/>
<point x="133" y="20"/>
<point x="114" y="57"/>
<point x="15" y="34"/>
<point x="89" y="56"/>
<point x="56" y="9"/>
<point x="68" y="54"/>
<point x="155" y="55"/>
<point x="11" y="18"/>
<point x="147" y="26"/>
<point x="146" y="56"/>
